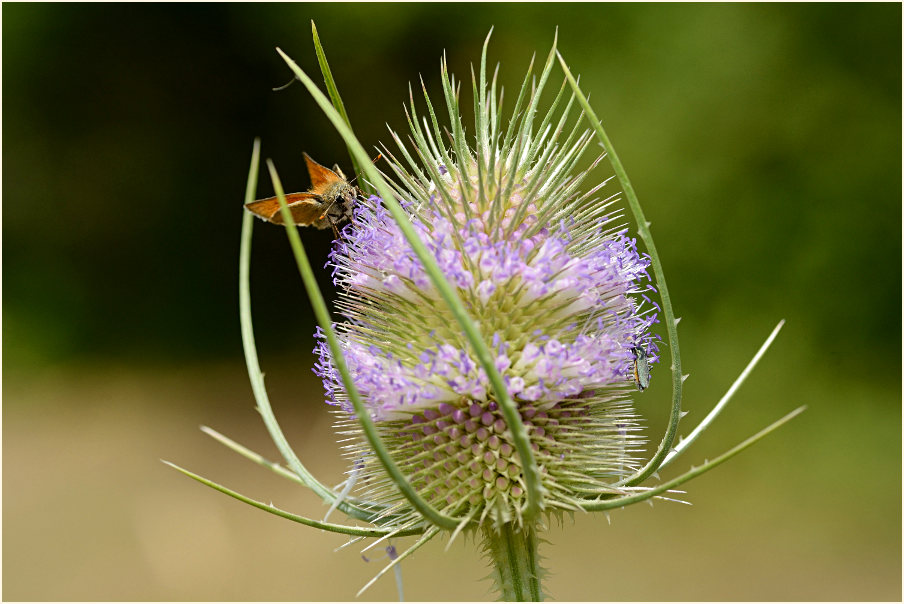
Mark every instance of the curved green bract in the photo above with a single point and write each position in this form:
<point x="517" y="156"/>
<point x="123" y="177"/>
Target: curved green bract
<point x="254" y="371"/>
<point x="469" y="327"/>
<point x="327" y="526"/>
<point x="685" y="442"/>
<point x="671" y="325"/>
<point x="608" y="504"/>
<point x="253" y="456"/>
<point x="326" y="323"/>
<point x="385" y="519"/>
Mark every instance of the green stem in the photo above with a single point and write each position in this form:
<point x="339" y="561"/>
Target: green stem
<point x="513" y="551"/>
<point x="671" y="324"/>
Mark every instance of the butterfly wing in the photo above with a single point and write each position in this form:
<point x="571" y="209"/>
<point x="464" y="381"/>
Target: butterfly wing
<point x="306" y="208"/>
<point x="321" y="176"/>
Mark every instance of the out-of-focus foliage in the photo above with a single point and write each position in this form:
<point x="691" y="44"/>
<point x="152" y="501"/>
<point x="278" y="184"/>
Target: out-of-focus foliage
<point x="763" y="142"/>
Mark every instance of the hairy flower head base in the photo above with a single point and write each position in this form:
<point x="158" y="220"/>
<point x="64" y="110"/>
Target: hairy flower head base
<point x="548" y="275"/>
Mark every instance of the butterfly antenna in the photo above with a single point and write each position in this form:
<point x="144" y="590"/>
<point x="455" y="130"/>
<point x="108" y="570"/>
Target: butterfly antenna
<point x="373" y="161"/>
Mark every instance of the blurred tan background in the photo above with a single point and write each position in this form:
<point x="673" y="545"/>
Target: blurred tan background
<point x="763" y="140"/>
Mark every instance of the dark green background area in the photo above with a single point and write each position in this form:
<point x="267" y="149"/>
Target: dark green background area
<point x="763" y="140"/>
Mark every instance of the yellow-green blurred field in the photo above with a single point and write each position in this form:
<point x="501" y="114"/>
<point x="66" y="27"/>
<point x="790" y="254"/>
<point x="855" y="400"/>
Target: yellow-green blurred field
<point x="90" y="513"/>
<point x="764" y="142"/>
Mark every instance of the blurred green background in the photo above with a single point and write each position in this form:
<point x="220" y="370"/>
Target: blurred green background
<point x="763" y="140"/>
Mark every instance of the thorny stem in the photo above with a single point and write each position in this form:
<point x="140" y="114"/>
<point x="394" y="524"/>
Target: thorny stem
<point x="516" y="566"/>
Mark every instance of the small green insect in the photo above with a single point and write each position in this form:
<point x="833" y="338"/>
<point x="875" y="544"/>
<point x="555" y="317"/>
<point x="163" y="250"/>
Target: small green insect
<point x="641" y="369"/>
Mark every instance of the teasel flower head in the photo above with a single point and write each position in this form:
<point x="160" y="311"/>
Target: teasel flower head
<point x="495" y="322"/>
<point x="542" y="261"/>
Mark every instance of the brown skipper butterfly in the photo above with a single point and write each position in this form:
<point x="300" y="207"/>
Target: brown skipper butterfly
<point x="327" y="203"/>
